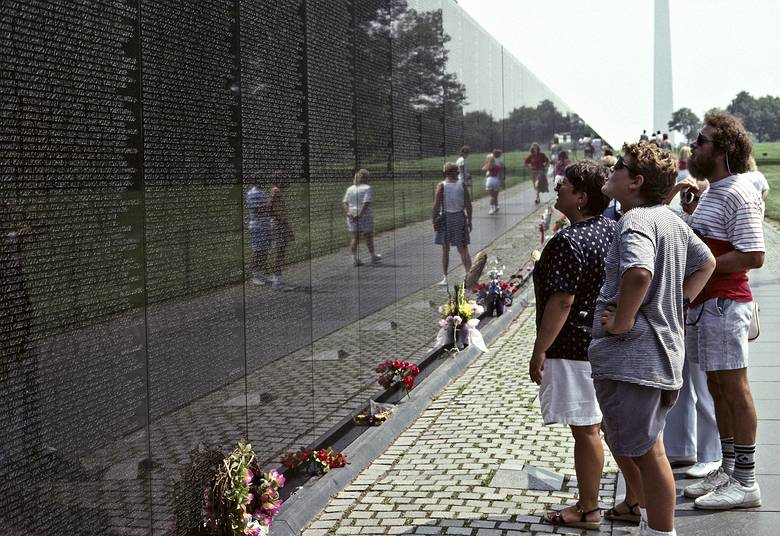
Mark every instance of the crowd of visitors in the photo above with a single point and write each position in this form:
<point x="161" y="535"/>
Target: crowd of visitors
<point x="642" y="323"/>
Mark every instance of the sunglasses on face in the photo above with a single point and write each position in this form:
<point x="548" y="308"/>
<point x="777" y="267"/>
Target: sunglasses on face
<point x="561" y="180"/>
<point x="621" y="164"/>
<point x="701" y="140"/>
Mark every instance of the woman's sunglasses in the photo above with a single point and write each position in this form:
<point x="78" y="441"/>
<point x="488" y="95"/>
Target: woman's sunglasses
<point x="620" y="164"/>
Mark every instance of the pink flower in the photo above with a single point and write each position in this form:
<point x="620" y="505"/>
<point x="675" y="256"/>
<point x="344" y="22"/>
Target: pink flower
<point x="249" y="476"/>
<point x="277" y="477"/>
<point x="250" y="498"/>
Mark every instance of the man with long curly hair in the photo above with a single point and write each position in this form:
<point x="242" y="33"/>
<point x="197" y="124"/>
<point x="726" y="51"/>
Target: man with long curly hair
<point x="729" y="217"/>
<point x="653" y="265"/>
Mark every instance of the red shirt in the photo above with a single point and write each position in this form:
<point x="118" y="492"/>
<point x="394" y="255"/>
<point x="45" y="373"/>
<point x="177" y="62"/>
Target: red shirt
<point x="537" y="161"/>
<point x="730" y="286"/>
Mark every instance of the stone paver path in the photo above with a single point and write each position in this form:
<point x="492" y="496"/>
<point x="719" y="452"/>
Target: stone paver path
<point x="436" y="477"/>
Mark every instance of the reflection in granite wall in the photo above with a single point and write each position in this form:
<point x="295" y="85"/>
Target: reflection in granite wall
<point x="174" y="263"/>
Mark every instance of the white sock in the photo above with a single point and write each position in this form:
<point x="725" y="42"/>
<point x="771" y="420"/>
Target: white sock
<point x="643" y="514"/>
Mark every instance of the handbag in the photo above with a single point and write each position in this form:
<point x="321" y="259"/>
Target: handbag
<point x="438" y="219"/>
<point x="754" y="330"/>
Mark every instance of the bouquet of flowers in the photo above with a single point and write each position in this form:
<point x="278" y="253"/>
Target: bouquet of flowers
<point x="496" y="294"/>
<point x="393" y="372"/>
<point x="315" y="462"/>
<point x="242" y="500"/>
<point x="561" y="223"/>
<point x="458" y="325"/>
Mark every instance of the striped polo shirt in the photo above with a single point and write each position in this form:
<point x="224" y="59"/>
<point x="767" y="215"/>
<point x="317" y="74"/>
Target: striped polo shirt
<point x="729" y="217"/>
<point x="651" y="353"/>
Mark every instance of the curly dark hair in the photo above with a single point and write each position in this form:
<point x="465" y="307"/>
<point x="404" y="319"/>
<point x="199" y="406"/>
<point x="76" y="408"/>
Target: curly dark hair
<point x="731" y="138"/>
<point x="589" y="176"/>
<point x="656" y="165"/>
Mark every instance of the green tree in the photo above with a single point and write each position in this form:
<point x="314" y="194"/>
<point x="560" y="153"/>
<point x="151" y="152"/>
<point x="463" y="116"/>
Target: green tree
<point x="761" y="116"/>
<point x="685" y="121"/>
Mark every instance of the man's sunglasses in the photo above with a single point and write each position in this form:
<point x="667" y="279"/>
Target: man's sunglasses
<point x="620" y="164"/>
<point x="701" y="140"/>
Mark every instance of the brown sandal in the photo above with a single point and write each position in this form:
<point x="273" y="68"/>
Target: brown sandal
<point x="613" y="515"/>
<point x="555" y="518"/>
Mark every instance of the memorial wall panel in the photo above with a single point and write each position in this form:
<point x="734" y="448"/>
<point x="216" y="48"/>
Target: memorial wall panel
<point x="408" y="183"/>
<point x="275" y="154"/>
<point x="428" y="102"/>
<point x="335" y="286"/>
<point x="72" y="349"/>
<point x="194" y="231"/>
<point x="373" y="152"/>
<point x="175" y="270"/>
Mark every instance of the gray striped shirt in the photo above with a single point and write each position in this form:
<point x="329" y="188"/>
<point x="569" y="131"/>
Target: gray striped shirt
<point x="652" y="352"/>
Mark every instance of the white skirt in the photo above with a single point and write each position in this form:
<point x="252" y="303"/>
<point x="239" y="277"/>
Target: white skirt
<point x="567" y="395"/>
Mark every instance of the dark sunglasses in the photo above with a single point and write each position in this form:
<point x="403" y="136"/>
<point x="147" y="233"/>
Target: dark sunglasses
<point x="620" y="164"/>
<point x="701" y="140"/>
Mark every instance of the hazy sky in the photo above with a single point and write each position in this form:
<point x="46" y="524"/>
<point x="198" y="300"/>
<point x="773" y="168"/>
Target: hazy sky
<point x="598" y="55"/>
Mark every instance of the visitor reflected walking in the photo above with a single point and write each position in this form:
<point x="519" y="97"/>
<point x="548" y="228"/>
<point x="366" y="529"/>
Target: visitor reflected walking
<point x="281" y="230"/>
<point x="451" y="217"/>
<point x="358" y="201"/>
<point x="537" y="162"/>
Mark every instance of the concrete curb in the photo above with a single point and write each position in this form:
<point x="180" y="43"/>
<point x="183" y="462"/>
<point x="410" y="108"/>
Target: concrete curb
<point x="304" y="506"/>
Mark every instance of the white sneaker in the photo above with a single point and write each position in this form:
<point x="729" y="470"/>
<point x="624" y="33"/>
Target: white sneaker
<point x="702" y="469"/>
<point x="730" y="495"/>
<point x="376" y="259"/>
<point x="277" y="284"/>
<point x="492" y="210"/>
<point x="259" y="280"/>
<point x="713" y="479"/>
<point x="443" y="282"/>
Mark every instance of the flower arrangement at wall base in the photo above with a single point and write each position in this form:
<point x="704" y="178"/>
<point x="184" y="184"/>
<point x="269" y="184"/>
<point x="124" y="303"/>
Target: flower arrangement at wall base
<point x="458" y="326"/>
<point x="397" y="372"/>
<point x="241" y="499"/>
<point x="314" y="462"/>
<point x="544" y="224"/>
<point x="496" y="294"/>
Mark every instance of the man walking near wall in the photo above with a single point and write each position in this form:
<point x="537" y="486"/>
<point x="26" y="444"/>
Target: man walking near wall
<point x="729" y="218"/>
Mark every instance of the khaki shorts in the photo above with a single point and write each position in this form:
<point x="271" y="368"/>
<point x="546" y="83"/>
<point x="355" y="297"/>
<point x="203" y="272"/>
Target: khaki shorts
<point x="634" y="415"/>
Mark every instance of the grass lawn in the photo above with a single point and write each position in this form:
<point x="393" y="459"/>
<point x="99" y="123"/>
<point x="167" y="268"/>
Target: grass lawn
<point x="772" y="174"/>
<point x="766" y="150"/>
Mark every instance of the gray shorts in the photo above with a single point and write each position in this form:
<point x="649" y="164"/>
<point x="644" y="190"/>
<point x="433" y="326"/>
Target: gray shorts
<point x="716" y="334"/>
<point x="634" y="415"/>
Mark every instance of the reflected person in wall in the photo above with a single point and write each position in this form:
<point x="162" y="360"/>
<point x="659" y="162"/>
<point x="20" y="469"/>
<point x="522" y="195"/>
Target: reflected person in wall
<point x="537" y="162"/>
<point x="567" y="280"/>
<point x="492" y="181"/>
<point x="281" y="230"/>
<point x="451" y="217"/>
<point x="259" y="232"/>
<point x="358" y="201"/>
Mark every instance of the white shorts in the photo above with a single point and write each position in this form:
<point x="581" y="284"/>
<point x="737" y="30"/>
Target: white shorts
<point x="492" y="184"/>
<point x="567" y="395"/>
<point x="716" y="334"/>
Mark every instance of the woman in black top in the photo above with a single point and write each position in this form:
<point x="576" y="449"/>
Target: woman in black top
<point x="567" y="280"/>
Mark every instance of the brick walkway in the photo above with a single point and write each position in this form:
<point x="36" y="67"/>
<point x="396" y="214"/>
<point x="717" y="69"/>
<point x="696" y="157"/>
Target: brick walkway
<point x="435" y="479"/>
